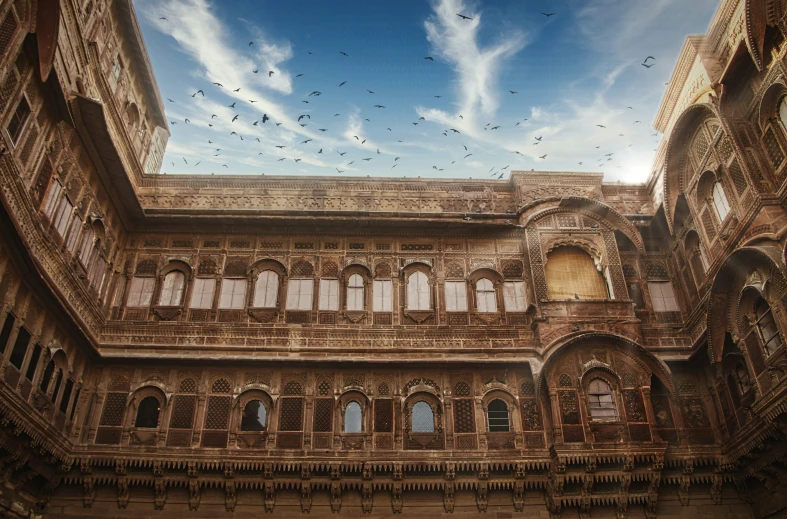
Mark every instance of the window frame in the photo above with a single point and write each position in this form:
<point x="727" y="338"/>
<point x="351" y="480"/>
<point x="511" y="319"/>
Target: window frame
<point x="274" y="291"/>
<point x="720" y="199"/>
<point x="489" y="418"/>
<point x="145" y="281"/>
<point x="385" y="303"/>
<point x="657" y="307"/>
<point x="194" y="292"/>
<point x="509" y="293"/>
<point x="595" y="402"/>
<point x="345" y="409"/>
<point x="355" y="293"/>
<point x="17" y="133"/>
<point x="487" y="294"/>
<point x="458" y="300"/>
<point x="300" y="304"/>
<point x="422" y="290"/>
<point x="758" y="325"/>
<point x="236" y="282"/>
<point x="170" y="289"/>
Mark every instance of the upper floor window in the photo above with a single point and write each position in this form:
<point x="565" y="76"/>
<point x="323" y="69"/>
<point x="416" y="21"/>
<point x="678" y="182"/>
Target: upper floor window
<point x="766" y="326"/>
<point x="485" y="296"/>
<point x="18" y="120"/>
<point x="329" y="294"/>
<point x="299" y="294"/>
<point x="148" y="413"/>
<point x="418" y="291"/>
<point x="140" y="293"/>
<point x="741" y="375"/>
<point x="172" y="290"/>
<point x="255" y="416"/>
<point x="720" y="202"/>
<point x="498" y="417"/>
<point x="455" y="296"/>
<point x="355" y="293"/>
<point x="572" y="274"/>
<point x="382" y="292"/>
<point x="422" y="418"/>
<point x="266" y="290"/>
<point x="233" y="293"/>
<point x="353" y="417"/>
<point x="117" y="66"/>
<point x="783" y="112"/>
<point x="514" y="296"/>
<point x="202" y="294"/>
<point x="601" y="401"/>
<point x="662" y="296"/>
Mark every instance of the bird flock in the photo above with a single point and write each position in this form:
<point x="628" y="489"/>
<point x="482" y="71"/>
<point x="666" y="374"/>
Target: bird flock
<point x="242" y="118"/>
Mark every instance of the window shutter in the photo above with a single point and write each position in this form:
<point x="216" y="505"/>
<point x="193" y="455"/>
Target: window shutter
<point x="450" y="296"/>
<point x="266" y="289"/>
<point x="514" y="296"/>
<point x="202" y="297"/>
<point x="423" y="292"/>
<point x="299" y="294"/>
<point x="63" y="217"/>
<point x="383" y="290"/>
<point x="225" y="299"/>
<point x="329" y="294"/>
<point x="485" y="296"/>
<point x="355" y="293"/>
<point x="52" y="199"/>
<point x="293" y="294"/>
<point x="134" y="292"/>
<point x="720" y="201"/>
<point x="147" y="291"/>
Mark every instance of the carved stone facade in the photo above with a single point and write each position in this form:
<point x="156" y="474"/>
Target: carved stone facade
<point x="544" y="345"/>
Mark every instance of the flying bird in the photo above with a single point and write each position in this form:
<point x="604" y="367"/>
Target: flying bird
<point x="323" y="129"/>
<point x="549" y="14"/>
<point x="252" y="101"/>
<point x="237" y="90"/>
<point x="299" y="75"/>
<point x="251" y="43"/>
<point x="601" y="126"/>
<point x="265" y="118"/>
<point x="339" y="170"/>
<point x="513" y="92"/>
<point x="646" y="65"/>
<point x="198" y="92"/>
<point x="316" y="93"/>
<point x="463" y="17"/>
<point x="320" y="151"/>
<point x="367" y="160"/>
<point x="162" y="18"/>
<point x="280" y="147"/>
<point x="213" y="116"/>
<point x="304" y="115"/>
<point x="270" y="73"/>
<point x="236" y="116"/>
<point x="342" y="154"/>
<point x="256" y="70"/>
<point x="232" y="105"/>
<point x="370" y="91"/>
<point x="187" y="120"/>
<point x="343" y="53"/>
<point x="378" y="106"/>
<point x="469" y="154"/>
<point x="543" y="156"/>
<point x="342" y="83"/>
<point x="297" y="160"/>
<point x="438" y="97"/>
<point x="255" y="123"/>
<point x="307" y="141"/>
<point x="170" y="100"/>
<point x="218" y="84"/>
<point x="646" y="59"/>
<point x="430" y="58"/>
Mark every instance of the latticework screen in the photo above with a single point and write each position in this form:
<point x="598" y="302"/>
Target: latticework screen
<point x="218" y="412"/>
<point x="114" y="407"/>
<point x="464" y="419"/>
<point x="323" y="415"/>
<point x="182" y="412"/>
<point x="383" y="415"/>
<point x="291" y="414"/>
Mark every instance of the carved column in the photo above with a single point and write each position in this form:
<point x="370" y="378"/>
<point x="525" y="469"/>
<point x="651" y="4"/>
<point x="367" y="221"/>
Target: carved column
<point x="557" y="420"/>
<point x="654" y="430"/>
<point x="199" y="419"/>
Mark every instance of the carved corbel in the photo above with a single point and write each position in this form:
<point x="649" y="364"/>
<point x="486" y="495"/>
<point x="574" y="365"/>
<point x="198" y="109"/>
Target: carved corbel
<point x="306" y="490"/>
<point x="269" y="488"/>
<point x="194" y="493"/>
<point x="396" y="489"/>
<point x="336" y="487"/>
<point x="161" y="493"/>
<point x="122" y="492"/>
<point x="482" y="492"/>
<point x="89" y="494"/>
<point x="367" y="491"/>
<point x="715" y="489"/>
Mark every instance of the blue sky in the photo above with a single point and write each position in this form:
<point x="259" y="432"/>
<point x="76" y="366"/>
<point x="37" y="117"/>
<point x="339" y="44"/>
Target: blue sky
<point x="571" y="71"/>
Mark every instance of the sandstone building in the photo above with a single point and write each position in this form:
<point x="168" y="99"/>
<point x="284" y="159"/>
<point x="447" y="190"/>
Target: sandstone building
<point x="243" y="347"/>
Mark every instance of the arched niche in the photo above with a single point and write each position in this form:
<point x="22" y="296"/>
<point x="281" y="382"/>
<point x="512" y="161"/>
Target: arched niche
<point x="680" y="142"/>
<point x="758" y="267"/>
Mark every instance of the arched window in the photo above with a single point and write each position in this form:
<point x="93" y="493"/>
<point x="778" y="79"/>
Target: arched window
<point x="147" y="413"/>
<point x="418" y="291"/>
<point x="766" y="326"/>
<point x="255" y="416"/>
<point x="355" y="293"/>
<point x="720" y="201"/>
<point x="266" y="290"/>
<point x="485" y="296"/>
<point x="172" y="290"/>
<point x="783" y="112"/>
<point x="353" y="416"/>
<point x="497" y="415"/>
<point x="422" y="418"/>
<point x="601" y="401"/>
<point x="741" y="376"/>
<point x="572" y="274"/>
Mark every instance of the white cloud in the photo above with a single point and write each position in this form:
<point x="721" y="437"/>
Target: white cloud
<point x="456" y="40"/>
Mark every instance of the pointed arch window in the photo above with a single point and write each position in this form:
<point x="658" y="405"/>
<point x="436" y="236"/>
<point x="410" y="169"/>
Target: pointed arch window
<point x="422" y="418"/>
<point x="498" y="417"/>
<point x="741" y="376"/>
<point x="353" y="417"/>
<point x="172" y="290"/>
<point x="355" y="293"/>
<point x="720" y="202"/>
<point x="766" y="327"/>
<point x="418" y="291"/>
<point x="601" y="401"/>
<point x="266" y="290"/>
<point x="255" y="416"/>
<point x="486" y="300"/>
<point x="148" y="413"/>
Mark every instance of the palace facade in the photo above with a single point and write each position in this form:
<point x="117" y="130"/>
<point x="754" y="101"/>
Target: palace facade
<point x="549" y="345"/>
